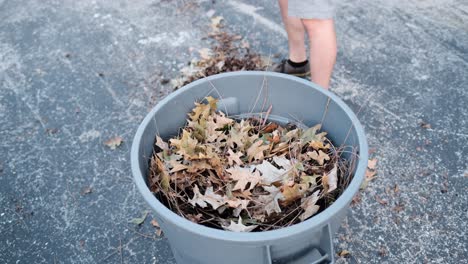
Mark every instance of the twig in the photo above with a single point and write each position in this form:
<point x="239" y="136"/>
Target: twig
<point x="266" y="115"/>
<point x="143" y="235"/>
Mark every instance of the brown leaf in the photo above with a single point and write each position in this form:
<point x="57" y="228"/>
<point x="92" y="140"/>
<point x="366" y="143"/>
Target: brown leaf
<point x="370" y="174"/>
<point x="186" y="146"/>
<point x="309" y="180"/>
<point x="255" y="151"/>
<point x="383" y="251"/>
<point x="161" y="144"/>
<point x="198" y="166"/>
<point x="245" y="44"/>
<point x="159" y="232"/>
<point x="310" y="134"/>
<point x="269" y="128"/>
<point x="318" y="145"/>
<point x="222" y="120"/>
<point x="271" y="200"/>
<point x="86" y="190"/>
<point x="202" y="111"/>
<point x="425" y="125"/>
<point x="216" y="22"/>
<point x="398" y="208"/>
<point x="380" y="201"/>
<point x="154" y="223"/>
<point x="114" y="142"/>
<point x="270" y="173"/>
<point x="292" y="193"/>
<point x="215" y="200"/>
<point x="239" y="227"/>
<point x="320" y="157"/>
<point x="244" y="176"/>
<point x="330" y="180"/>
<point x="344" y="253"/>
<point x="356" y="199"/>
<point x="177" y="166"/>
<point x="238" y="134"/>
<point x="309" y="205"/>
<point x="234" y="158"/>
<point x="194" y="218"/>
<point x="205" y="53"/>
<point x="371" y="164"/>
<point x="164" y="178"/>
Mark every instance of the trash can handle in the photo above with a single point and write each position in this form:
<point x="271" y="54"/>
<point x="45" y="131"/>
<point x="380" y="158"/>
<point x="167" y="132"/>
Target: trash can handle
<point x="325" y="248"/>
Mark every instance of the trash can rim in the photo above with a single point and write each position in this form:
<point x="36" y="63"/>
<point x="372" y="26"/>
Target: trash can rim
<point x="316" y="221"/>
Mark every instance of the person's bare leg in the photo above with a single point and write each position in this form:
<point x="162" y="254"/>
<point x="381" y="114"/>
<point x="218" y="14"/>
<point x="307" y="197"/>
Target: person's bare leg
<point x="296" y="34"/>
<point x="322" y="42"/>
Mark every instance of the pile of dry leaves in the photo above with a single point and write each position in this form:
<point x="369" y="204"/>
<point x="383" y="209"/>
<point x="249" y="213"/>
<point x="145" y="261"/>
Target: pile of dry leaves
<point x="248" y="174"/>
<point x="228" y="53"/>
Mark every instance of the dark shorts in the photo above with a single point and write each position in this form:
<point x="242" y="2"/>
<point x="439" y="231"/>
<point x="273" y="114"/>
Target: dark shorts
<point x="311" y="9"/>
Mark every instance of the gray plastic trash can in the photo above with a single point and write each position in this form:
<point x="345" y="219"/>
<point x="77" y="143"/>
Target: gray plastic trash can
<point x="304" y="243"/>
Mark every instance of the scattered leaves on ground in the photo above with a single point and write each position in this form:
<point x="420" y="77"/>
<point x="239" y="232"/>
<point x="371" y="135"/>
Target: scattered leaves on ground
<point x="114" y="142"/>
<point x="425" y="125"/>
<point x="370" y="174"/>
<point x="140" y="220"/>
<point x="344" y="253"/>
<point x="154" y="223"/>
<point x="247" y="174"/>
<point x="227" y="53"/>
<point x="86" y="190"/>
<point x="372" y="163"/>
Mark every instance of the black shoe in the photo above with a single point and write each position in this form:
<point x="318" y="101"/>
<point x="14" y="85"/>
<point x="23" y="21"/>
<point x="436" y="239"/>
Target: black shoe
<point x="285" y="67"/>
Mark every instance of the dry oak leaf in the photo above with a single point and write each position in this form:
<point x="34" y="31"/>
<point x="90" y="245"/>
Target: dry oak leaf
<point x="318" y="145"/>
<point x="283" y="162"/>
<point x="114" y="142"/>
<point x="234" y="158"/>
<point x="205" y="53"/>
<point x="211" y="133"/>
<point x="239" y="134"/>
<point x="221" y="120"/>
<point x="216" y="22"/>
<point x="236" y="137"/>
<point x="239" y="227"/>
<point x="309" y="205"/>
<point x="330" y="179"/>
<point x="198" y="166"/>
<point x="161" y="144"/>
<point x="255" y="151"/>
<point x="371" y="164"/>
<point x="310" y="134"/>
<point x="202" y="111"/>
<point x="154" y="223"/>
<point x="177" y="166"/>
<point x="291" y="135"/>
<point x="320" y="157"/>
<point x="294" y="192"/>
<point x="215" y="200"/>
<point x="370" y="174"/>
<point x="244" y="176"/>
<point x="186" y="145"/>
<point x="310" y="180"/>
<point x="270" y="173"/>
<point x="164" y="177"/>
<point x="271" y="200"/>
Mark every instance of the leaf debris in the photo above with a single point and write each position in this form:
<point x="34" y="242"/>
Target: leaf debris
<point x="114" y="142"/>
<point x="248" y="174"/>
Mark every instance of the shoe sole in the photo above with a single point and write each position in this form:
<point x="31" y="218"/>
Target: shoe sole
<point x="301" y="74"/>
